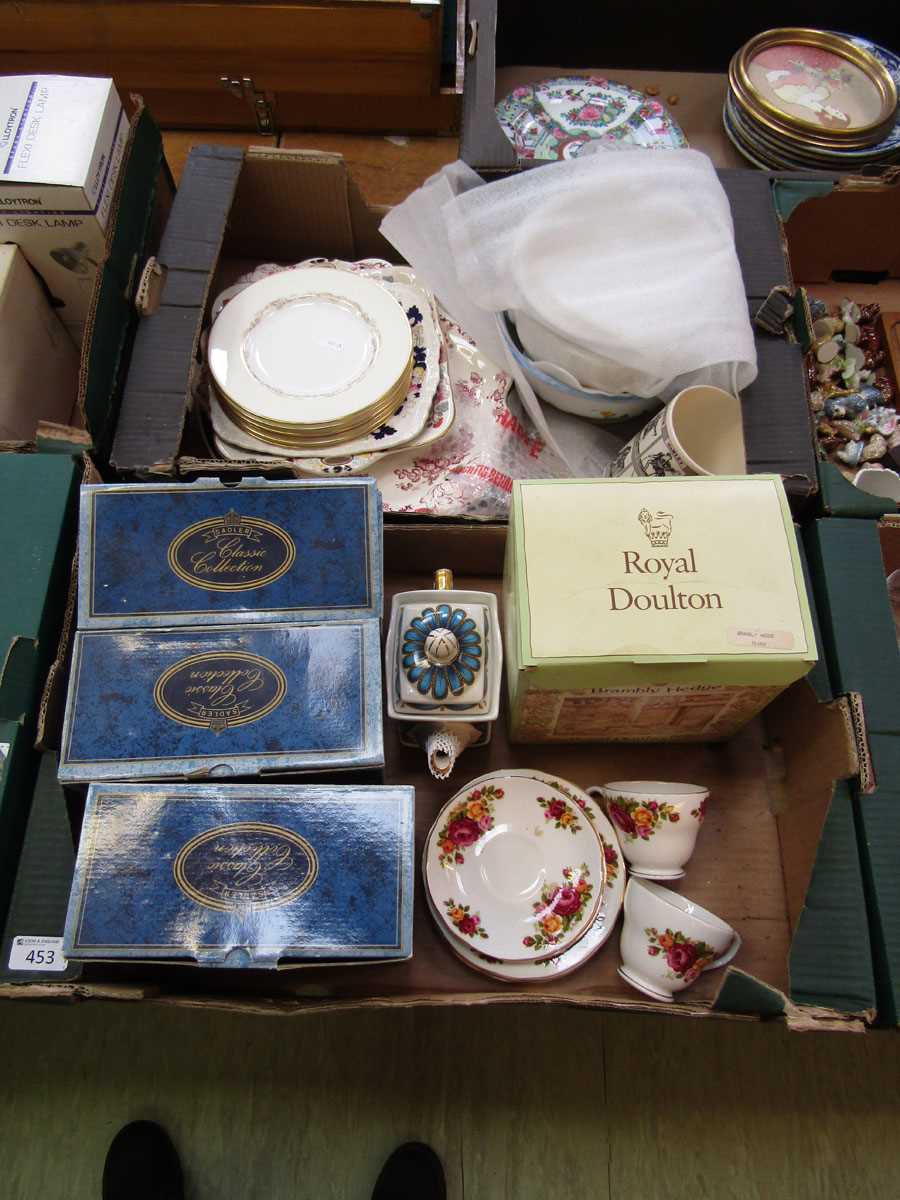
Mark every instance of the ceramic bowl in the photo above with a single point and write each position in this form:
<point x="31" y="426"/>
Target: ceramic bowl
<point x="582" y="402"/>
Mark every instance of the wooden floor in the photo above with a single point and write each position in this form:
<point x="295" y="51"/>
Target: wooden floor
<point x="522" y="1104"/>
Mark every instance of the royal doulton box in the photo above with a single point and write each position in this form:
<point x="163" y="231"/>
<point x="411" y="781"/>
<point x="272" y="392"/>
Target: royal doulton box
<point x="669" y="609"/>
<point x="234" y="701"/>
<point x="207" y="553"/>
<point x="243" y="876"/>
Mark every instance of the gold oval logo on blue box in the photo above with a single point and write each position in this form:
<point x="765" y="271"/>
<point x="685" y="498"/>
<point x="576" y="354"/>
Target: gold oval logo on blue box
<point x="216" y="691"/>
<point x="245" y="865"/>
<point x="231" y="553"/>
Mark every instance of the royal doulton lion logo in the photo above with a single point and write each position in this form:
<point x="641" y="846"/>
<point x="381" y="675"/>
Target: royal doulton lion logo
<point x="657" y="526"/>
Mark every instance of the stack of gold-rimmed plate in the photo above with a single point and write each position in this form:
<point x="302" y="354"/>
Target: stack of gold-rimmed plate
<point x="523" y="875"/>
<point x="310" y="358"/>
<point x="808" y="99"/>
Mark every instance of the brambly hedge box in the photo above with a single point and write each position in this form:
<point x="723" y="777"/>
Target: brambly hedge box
<point x="243" y="876"/>
<point x="205" y="553"/>
<point x="651" y="610"/>
<point x="226" y="631"/>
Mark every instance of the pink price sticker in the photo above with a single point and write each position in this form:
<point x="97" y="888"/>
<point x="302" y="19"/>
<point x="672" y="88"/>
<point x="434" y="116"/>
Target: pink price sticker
<point x="761" y="639"/>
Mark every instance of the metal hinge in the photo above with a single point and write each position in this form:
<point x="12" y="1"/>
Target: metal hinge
<point x="242" y="87"/>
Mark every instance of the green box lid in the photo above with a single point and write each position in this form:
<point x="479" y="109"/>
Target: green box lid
<point x="37" y="497"/>
<point x="858" y="635"/>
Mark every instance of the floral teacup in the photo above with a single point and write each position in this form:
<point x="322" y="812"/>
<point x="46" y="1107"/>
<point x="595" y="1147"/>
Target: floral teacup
<point x="668" y="940"/>
<point x="657" y="823"/>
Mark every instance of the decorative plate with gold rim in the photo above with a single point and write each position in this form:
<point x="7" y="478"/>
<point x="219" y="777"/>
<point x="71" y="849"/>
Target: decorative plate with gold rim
<point x="515" y="868"/>
<point x="312" y="349"/>
<point x="816" y="89"/>
<point x="475" y="955"/>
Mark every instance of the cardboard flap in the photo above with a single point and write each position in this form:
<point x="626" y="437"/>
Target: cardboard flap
<point x="815" y="746"/>
<point x="831" y="957"/>
<point x="294" y="202"/>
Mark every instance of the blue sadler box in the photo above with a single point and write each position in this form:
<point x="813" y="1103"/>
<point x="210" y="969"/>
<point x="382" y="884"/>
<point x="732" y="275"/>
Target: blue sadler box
<point x="207" y="553"/>
<point x="236" y="701"/>
<point x="243" y="876"/>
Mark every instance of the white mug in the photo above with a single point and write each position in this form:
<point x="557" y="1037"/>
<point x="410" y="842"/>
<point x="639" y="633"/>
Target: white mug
<point x="668" y="940"/>
<point x="699" y="432"/>
<point x="657" y="823"/>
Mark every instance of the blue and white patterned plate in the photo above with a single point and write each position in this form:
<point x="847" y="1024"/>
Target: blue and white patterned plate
<point x="553" y="119"/>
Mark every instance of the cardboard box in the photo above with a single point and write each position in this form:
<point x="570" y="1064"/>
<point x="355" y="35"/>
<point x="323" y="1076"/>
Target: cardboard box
<point x="62" y="142"/>
<point x="18" y="768"/>
<point x="237" y="209"/>
<point x="776" y="859"/>
<point x="862" y="263"/>
<point x="38" y="361"/>
<point x="234" y="210"/>
<point x="139" y="206"/>
<point x="207" y="553"/>
<point x="240" y="876"/>
<point x="232" y="701"/>
<point x="851" y="562"/>
<point x="839" y="234"/>
<point x="38" y="497"/>
<point x="37" y="911"/>
<point x="650" y="610"/>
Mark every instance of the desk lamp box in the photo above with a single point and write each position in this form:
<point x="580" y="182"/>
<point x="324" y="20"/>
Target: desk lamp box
<point x="62" y="138"/>
<point x="669" y="610"/>
<point x="226" y="631"/>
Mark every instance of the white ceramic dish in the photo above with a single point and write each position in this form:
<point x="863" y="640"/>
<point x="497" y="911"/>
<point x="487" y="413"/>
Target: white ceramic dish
<point x="310" y="346"/>
<point x="514" y="867"/>
<point x="582" y="402"/>
<point x="401" y="430"/>
<point x="604" y="922"/>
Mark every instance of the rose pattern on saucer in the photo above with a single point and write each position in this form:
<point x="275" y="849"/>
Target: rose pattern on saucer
<point x="560" y="813"/>
<point x="561" y="906"/>
<point x="465" y="922"/>
<point x="466" y="823"/>
<point x="700" y="811"/>
<point x="611" y="855"/>
<point x="685" y="958"/>
<point x="640" y="818"/>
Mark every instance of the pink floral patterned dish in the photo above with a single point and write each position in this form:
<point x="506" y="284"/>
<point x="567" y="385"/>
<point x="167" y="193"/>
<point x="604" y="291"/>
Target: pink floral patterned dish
<point x="520" y="860"/>
<point x="475" y="955"/>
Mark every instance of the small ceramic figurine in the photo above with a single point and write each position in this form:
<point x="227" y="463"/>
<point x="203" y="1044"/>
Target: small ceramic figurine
<point x="852" y="405"/>
<point x="444" y="661"/>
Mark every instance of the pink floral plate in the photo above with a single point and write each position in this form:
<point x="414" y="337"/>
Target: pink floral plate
<point x="601" y="929"/>
<point x="515" y="868"/>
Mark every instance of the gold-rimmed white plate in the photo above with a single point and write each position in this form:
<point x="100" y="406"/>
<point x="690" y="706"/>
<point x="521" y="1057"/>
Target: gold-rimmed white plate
<point x="310" y="347"/>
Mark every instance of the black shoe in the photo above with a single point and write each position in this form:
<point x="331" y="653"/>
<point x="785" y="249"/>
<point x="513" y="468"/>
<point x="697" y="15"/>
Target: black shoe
<point x="142" y="1164"/>
<point x="413" y="1172"/>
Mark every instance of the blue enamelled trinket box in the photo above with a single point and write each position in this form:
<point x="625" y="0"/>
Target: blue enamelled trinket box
<point x="243" y="876"/>
<point x="206" y="553"/>
<point x="226" y="631"/>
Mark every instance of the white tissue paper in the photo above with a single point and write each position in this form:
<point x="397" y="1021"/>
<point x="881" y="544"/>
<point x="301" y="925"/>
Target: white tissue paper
<point x="629" y="254"/>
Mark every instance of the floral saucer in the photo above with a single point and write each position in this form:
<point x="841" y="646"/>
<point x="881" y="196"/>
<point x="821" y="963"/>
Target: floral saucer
<point x="553" y="119"/>
<point x="515" y="868"/>
<point x="607" y="915"/>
